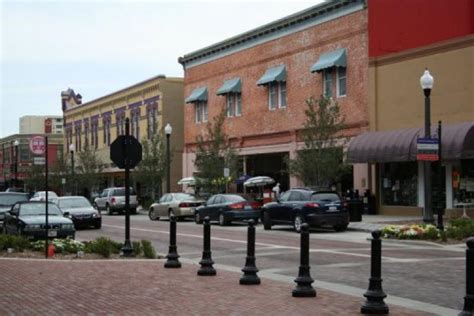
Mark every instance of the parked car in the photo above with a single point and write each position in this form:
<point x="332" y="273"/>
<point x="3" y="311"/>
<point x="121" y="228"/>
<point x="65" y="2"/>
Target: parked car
<point x="41" y="196"/>
<point x="180" y="205"/>
<point x="113" y="200"/>
<point x="15" y="190"/>
<point x="226" y="208"/>
<point x="80" y="211"/>
<point x="7" y="199"/>
<point x="298" y="206"/>
<point x="29" y="219"/>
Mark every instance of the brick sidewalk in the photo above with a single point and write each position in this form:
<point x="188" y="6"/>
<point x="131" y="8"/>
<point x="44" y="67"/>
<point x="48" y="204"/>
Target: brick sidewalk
<point x="144" y="287"/>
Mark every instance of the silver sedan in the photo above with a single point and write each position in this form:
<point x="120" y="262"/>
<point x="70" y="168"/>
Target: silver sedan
<point x="180" y="205"/>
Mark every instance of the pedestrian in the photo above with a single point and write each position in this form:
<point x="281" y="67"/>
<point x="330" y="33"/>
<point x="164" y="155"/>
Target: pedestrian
<point x="276" y="190"/>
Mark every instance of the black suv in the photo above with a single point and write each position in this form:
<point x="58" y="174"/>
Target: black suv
<point x="298" y="206"/>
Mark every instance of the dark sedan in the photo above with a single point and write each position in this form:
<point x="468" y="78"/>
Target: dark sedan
<point x="29" y="219"/>
<point x="8" y="199"/>
<point x="81" y="211"/>
<point x="226" y="208"/>
<point x="298" y="206"/>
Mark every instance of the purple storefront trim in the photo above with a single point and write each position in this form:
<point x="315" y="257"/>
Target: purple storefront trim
<point x="78" y="123"/>
<point x="152" y="99"/>
<point x="95" y="117"/>
<point x="134" y="105"/>
<point x="106" y="114"/>
<point x="120" y="110"/>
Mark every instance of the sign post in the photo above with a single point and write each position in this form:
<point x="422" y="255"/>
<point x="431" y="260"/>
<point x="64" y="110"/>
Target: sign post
<point x="126" y="153"/>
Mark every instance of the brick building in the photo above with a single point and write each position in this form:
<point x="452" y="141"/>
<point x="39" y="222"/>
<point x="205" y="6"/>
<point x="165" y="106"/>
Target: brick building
<point x="264" y="76"/>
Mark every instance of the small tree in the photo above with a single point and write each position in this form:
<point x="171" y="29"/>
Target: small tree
<point x="88" y="171"/>
<point x="35" y="180"/>
<point x="152" y="169"/>
<point x="60" y="170"/>
<point x="319" y="163"/>
<point x="214" y="153"/>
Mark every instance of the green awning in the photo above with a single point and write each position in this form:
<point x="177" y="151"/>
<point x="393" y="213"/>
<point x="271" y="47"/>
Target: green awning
<point x="198" y="94"/>
<point x="230" y="86"/>
<point x="336" y="58"/>
<point x="277" y="73"/>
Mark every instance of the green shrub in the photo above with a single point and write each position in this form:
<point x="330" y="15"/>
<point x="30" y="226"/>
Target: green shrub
<point x="460" y="228"/>
<point x="137" y="248"/>
<point x="103" y="246"/>
<point x="19" y="243"/>
<point x="148" y="249"/>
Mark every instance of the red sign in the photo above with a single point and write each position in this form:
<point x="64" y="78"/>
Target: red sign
<point x="37" y="145"/>
<point x="427" y="157"/>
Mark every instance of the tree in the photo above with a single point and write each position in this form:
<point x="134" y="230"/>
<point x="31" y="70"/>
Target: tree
<point x="35" y="180"/>
<point x="319" y="163"/>
<point x="60" y="170"/>
<point x="214" y="153"/>
<point x="152" y="169"/>
<point x="88" y="171"/>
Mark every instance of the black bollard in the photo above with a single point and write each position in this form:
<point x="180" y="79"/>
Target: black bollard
<point x="468" y="309"/>
<point x="250" y="270"/>
<point x="172" y="256"/>
<point x="303" y="281"/>
<point x="206" y="262"/>
<point x="375" y="295"/>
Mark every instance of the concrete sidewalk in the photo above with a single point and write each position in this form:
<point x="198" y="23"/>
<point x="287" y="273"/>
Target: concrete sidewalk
<point x="373" y="222"/>
<point x="145" y="287"/>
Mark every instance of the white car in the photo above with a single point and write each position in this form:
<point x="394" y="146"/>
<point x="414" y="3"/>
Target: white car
<point x="41" y="196"/>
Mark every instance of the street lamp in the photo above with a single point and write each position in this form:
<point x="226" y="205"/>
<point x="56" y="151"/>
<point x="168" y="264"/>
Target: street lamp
<point x="426" y="82"/>
<point x="15" y="144"/>
<point x="72" y="148"/>
<point x="168" y="130"/>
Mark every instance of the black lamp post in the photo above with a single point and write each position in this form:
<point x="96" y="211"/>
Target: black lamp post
<point x="72" y="148"/>
<point x="15" y="144"/>
<point x="426" y="82"/>
<point x="168" y="130"/>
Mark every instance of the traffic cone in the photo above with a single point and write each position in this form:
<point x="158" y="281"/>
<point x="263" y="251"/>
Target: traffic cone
<point x="51" y="249"/>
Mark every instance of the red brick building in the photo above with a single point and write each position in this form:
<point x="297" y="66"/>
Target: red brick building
<point x="265" y="75"/>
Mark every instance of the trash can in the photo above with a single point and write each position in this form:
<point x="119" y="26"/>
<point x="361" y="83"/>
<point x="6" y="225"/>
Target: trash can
<point x="355" y="210"/>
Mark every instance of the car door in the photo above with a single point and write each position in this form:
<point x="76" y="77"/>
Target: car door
<point x="163" y="206"/>
<point x="206" y="209"/>
<point x="11" y="219"/>
<point x="279" y="209"/>
<point x="100" y="201"/>
<point x="295" y="201"/>
<point x="217" y="207"/>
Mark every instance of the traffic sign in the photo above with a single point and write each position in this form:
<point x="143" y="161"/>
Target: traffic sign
<point x="427" y="149"/>
<point x="39" y="161"/>
<point x="37" y="145"/>
<point x="126" y="151"/>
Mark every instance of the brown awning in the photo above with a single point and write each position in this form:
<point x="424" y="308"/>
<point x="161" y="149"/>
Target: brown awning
<point x="400" y="145"/>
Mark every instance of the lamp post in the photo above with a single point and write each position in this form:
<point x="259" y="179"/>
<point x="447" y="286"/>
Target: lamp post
<point x="15" y="144"/>
<point x="168" y="130"/>
<point x="72" y="148"/>
<point x="426" y="82"/>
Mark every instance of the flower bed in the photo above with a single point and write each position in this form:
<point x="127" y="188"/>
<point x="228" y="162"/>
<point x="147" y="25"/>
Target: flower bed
<point x="457" y="229"/>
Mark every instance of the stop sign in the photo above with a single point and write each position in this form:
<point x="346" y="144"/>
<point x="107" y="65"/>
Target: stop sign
<point x="126" y="151"/>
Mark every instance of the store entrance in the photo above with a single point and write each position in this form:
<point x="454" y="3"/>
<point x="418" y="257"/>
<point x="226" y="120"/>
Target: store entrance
<point x="271" y="165"/>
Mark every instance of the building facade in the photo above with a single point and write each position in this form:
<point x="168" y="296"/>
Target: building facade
<point x="41" y="124"/>
<point x="263" y="78"/>
<point x="149" y="105"/>
<point x="437" y="35"/>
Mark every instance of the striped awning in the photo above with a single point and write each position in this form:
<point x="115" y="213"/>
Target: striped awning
<point x="198" y="94"/>
<point x="230" y="86"/>
<point x="277" y="74"/>
<point x="336" y="58"/>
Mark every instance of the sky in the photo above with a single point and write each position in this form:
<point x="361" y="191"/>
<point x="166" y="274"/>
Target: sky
<point x="98" y="47"/>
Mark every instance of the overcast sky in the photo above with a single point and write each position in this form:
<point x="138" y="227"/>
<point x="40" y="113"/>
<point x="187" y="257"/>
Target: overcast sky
<point x="98" y="47"/>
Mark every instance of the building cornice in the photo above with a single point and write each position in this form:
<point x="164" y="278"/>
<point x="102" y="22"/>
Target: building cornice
<point x="310" y="17"/>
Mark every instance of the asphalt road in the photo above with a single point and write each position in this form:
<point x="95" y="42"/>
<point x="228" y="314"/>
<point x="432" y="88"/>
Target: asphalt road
<point x="428" y="275"/>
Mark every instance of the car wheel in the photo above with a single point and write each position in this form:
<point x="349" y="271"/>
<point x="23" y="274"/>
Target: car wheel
<point x="152" y="216"/>
<point x="297" y="222"/>
<point x="109" y="210"/>
<point x="340" y="228"/>
<point x="133" y="211"/>
<point x="197" y="218"/>
<point x="222" y="220"/>
<point x="267" y="222"/>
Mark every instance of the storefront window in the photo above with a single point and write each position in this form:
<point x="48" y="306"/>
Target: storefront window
<point x="399" y="183"/>
<point x="463" y="182"/>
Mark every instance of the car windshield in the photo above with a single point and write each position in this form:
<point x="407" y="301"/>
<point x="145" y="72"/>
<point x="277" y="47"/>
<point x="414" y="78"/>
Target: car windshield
<point x="234" y="198"/>
<point x="32" y="209"/>
<point x="76" y="202"/>
<point x="121" y="192"/>
<point x="10" y="199"/>
<point x="184" y="197"/>
<point x="326" y="197"/>
<point x="51" y="194"/>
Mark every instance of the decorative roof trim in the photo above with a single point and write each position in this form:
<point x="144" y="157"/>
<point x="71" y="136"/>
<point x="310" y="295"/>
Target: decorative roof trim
<point x="312" y="16"/>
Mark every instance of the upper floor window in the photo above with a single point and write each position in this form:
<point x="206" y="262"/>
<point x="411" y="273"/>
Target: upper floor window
<point x="86" y="135"/>
<point x="94" y="134"/>
<point x="275" y="79"/>
<point x="135" y="122"/>
<point x="201" y="112"/>
<point x="151" y="121"/>
<point x="341" y="81"/>
<point x="106" y="122"/>
<point x="234" y="104"/>
<point x="78" y="138"/>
